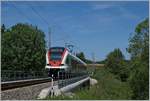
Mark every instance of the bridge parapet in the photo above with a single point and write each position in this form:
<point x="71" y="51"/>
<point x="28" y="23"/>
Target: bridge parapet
<point x="63" y="83"/>
<point x="63" y="86"/>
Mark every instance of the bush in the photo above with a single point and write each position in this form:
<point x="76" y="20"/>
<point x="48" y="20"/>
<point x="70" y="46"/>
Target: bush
<point x="108" y="88"/>
<point x="116" y="64"/>
<point x="139" y="50"/>
<point x="139" y="81"/>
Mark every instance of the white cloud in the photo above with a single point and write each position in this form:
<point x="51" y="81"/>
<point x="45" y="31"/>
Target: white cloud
<point x="127" y="14"/>
<point x="119" y="8"/>
<point x="101" y="6"/>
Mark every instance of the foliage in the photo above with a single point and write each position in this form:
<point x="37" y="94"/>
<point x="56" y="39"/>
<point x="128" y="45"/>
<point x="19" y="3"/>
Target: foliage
<point x="22" y="48"/>
<point x="88" y="61"/>
<point x="108" y="88"/>
<point x="101" y="62"/>
<point x="139" y="50"/>
<point x="139" y="43"/>
<point x="139" y="80"/>
<point x="82" y="57"/>
<point x="3" y="28"/>
<point x="115" y="63"/>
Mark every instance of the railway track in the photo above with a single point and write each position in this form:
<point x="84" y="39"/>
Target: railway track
<point x="23" y="83"/>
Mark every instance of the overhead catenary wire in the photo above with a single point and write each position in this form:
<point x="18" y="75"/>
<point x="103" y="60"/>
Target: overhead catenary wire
<point x="37" y="13"/>
<point x="42" y="18"/>
<point x="20" y="12"/>
<point x="45" y="21"/>
<point x="65" y="38"/>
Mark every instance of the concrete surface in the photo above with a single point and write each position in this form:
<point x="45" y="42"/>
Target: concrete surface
<point x="93" y="81"/>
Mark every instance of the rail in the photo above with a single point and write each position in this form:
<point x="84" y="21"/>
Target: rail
<point x="63" y="80"/>
<point x="13" y="75"/>
<point x="22" y="83"/>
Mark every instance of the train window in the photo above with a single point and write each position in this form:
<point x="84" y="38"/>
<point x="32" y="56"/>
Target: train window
<point x="68" y="60"/>
<point x="55" y="56"/>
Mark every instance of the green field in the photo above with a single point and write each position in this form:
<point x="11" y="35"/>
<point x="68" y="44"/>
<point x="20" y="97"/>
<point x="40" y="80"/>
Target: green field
<point x="107" y="88"/>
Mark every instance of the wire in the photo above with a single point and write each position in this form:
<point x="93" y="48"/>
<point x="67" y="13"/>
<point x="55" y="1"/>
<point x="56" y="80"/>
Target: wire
<point x="20" y="12"/>
<point x="35" y="11"/>
<point x="45" y="21"/>
<point x="42" y="18"/>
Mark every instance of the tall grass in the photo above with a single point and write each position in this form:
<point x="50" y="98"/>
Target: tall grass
<point x="108" y="88"/>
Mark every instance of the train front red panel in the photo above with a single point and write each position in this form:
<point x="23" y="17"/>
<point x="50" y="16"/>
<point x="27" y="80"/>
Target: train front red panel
<point x="56" y="62"/>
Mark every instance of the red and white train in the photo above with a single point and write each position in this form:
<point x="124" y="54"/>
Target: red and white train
<point x="60" y="59"/>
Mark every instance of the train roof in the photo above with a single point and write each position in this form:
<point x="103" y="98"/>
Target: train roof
<point x="57" y="48"/>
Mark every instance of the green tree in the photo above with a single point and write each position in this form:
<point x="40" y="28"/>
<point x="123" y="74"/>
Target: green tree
<point x="3" y="28"/>
<point x="139" y="43"/>
<point x="115" y="63"/>
<point x="23" y="48"/>
<point x="101" y="62"/>
<point x="139" y="50"/>
<point x="81" y="56"/>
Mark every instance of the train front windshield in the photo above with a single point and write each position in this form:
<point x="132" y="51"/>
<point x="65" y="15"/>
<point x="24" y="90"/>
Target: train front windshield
<point x="55" y="56"/>
<point x="56" y="53"/>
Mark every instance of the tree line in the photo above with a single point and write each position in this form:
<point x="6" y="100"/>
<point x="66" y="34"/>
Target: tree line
<point x="136" y="70"/>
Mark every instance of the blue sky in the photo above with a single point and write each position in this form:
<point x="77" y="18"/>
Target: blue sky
<point x="93" y="27"/>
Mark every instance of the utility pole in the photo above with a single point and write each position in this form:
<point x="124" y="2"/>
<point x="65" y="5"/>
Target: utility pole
<point x="49" y="40"/>
<point x="93" y="57"/>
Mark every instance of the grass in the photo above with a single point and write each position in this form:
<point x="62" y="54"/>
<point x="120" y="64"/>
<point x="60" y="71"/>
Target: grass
<point x="107" y="88"/>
